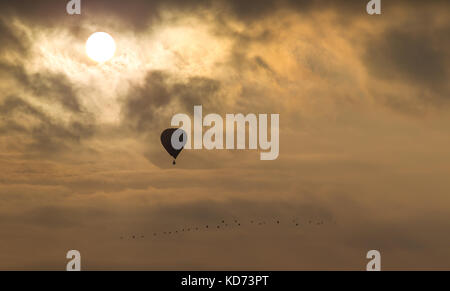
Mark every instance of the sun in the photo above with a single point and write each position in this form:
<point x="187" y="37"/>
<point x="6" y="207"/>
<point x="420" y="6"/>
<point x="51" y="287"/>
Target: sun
<point x="100" y="47"/>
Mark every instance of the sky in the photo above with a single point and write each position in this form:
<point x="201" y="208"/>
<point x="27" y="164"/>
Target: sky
<point x="364" y="144"/>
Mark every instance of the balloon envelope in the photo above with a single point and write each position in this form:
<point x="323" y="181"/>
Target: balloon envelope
<point x="166" y="141"/>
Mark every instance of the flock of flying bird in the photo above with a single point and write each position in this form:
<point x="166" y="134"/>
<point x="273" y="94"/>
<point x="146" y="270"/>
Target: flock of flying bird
<point x="222" y="225"/>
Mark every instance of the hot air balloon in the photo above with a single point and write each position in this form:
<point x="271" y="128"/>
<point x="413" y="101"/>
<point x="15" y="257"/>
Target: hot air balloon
<point x="173" y="140"/>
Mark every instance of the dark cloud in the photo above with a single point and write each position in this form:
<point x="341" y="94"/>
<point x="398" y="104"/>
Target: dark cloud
<point x="142" y="103"/>
<point x="408" y="55"/>
<point x="148" y="109"/>
<point x="142" y="12"/>
<point x="54" y="87"/>
<point x="260" y="61"/>
<point x="252" y="9"/>
<point x="35" y="11"/>
<point x="152" y="105"/>
<point x="47" y="135"/>
<point x="138" y="13"/>
<point x="10" y="40"/>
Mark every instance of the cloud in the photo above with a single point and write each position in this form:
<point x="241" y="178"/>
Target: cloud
<point x="10" y="40"/>
<point x="54" y="87"/>
<point x="408" y="55"/>
<point x="146" y="107"/>
<point x="81" y="163"/>
<point x="407" y="64"/>
<point x="47" y="135"/>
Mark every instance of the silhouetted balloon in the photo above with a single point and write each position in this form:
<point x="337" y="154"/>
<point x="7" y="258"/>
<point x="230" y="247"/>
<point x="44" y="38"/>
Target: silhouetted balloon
<point x="179" y="138"/>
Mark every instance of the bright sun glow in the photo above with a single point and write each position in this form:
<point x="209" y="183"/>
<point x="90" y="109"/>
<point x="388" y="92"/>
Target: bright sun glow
<point x="100" y="47"/>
